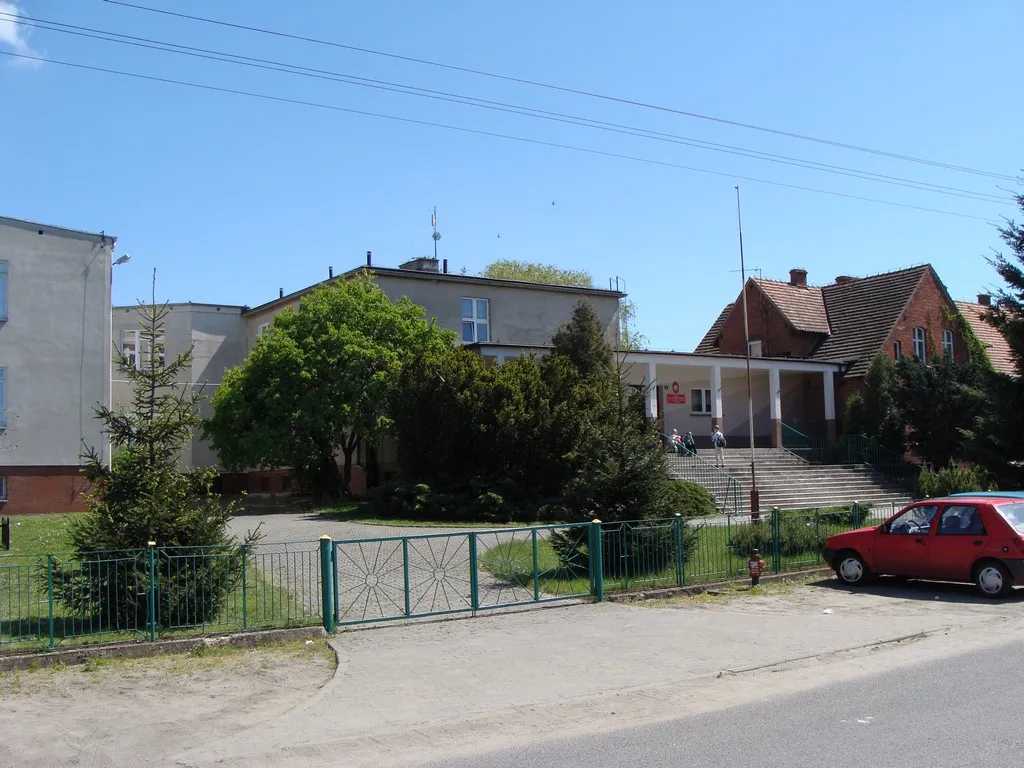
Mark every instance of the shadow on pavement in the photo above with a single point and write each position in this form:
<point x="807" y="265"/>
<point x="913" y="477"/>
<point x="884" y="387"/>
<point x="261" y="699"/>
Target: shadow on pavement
<point x="912" y="589"/>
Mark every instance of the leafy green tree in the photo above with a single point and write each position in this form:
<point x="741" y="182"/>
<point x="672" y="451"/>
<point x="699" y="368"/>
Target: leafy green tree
<point x="876" y="411"/>
<point x="144" y="496"/>
<point x="319" y="381"/>
<point x="534" y="272"/>
<point x="941" y="403"/>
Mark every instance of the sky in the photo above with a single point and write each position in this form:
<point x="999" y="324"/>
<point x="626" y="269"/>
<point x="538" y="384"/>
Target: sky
<point x="231" y="198"/>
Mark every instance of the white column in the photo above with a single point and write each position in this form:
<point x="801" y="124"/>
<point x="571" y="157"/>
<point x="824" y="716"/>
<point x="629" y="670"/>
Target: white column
<point x="652" y="391"/>
<point x="830" y="395"/>
<point x="501" y="358"/>
<point x="774" y="394"/>
<point x="716" y="395"/>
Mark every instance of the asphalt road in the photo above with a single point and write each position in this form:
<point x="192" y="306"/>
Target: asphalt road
<point x="958" y="713"/>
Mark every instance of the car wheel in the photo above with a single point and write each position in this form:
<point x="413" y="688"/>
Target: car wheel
<point x="992" y="579"/>
<point x="850" y="569"/>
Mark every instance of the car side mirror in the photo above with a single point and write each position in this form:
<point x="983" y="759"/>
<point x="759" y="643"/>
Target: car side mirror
<point x="883" y="528"/>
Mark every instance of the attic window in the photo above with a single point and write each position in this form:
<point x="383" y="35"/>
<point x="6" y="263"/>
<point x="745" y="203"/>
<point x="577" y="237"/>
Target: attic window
<point x="920" y="346"/>
<point x="755" y="348"/>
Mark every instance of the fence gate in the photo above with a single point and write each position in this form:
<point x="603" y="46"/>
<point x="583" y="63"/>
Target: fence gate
<point x="445" y="573"/>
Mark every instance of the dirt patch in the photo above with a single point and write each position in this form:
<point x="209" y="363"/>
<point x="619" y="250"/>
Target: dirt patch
<point x="111" y="711"/>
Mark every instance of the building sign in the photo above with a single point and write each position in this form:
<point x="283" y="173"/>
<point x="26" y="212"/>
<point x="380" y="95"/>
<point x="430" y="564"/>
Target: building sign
<point x="675" y="397"/>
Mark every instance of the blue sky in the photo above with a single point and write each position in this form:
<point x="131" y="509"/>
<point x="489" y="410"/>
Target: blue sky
<point x="231" y="198"/>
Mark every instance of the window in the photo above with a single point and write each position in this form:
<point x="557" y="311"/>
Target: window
<point x="916" y="521"/>
<point x="961" y="520"/>
<point x="262" y="329"/>
<point x="3" y="489"/>
<point x="264" y="484"/>
<point x="3" y="290"/>
<point x="286" y="483"/>
<point x="130" y="347"/>
<point x="161" y="356"/>
<point x="947" y="344"/>
<point x="3" y="398"/>
<point x="920" y="348"/>
<point x="475" y="321"/>
<point x="1014" y="515"/>
<point x="755" y="348"/>
<point x="897" y="350"/>
<point x="700" y="401"/>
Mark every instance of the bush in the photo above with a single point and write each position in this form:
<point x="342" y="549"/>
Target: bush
<point x="688" y="500"/>
<point x="797" y="535"/>
<point x="953" y="478"/>
<point x="637" y="548"/>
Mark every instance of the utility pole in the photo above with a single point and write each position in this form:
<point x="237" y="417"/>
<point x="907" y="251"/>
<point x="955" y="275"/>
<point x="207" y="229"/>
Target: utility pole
<point x="754" y="496"/>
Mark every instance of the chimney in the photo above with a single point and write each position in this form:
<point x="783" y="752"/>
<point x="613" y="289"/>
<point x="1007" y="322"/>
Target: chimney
<point x="798" y="277"/>
<point x="330" y="273"/>
<point x="445" y="266"/>
<point x="369" y="259"/>
<point x="420" y="264"/>
<point x="985" y="299"/>
<point x="843" y="279"/>
<point x="280" y="293"/>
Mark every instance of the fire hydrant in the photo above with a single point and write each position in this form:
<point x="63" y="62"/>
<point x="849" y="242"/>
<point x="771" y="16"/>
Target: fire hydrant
<point x="754" y="567"/>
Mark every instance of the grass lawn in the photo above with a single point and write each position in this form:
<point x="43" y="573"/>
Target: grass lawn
<point x="41" y="534"/>
<point x="361" y="512"/>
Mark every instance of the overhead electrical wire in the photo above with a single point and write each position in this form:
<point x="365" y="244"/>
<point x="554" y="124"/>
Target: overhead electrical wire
<point x="566" y="89"/>
<point x="294" y="69"/>
<point x="478" y="132"/>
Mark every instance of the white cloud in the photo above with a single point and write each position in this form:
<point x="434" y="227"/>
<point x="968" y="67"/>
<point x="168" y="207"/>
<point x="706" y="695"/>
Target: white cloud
<point x="14" y="36"/>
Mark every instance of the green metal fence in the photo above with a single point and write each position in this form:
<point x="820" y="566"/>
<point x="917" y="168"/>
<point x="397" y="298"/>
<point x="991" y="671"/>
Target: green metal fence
<point x="723" y="487"/>
<point x="852" y="449"/>
<point x="156" y="591"/>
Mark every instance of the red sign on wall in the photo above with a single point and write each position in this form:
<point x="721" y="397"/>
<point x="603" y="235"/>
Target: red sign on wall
<point x="675" y="397"/>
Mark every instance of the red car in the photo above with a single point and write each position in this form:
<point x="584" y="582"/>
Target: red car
<point x="963" y="538"/>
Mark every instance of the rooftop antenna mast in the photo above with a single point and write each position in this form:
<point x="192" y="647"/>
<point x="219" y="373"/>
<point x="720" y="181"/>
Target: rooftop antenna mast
<point x="436" y="235"/>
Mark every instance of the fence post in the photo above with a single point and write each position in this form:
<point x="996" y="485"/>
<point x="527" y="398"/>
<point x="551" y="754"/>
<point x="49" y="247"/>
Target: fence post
<point x="596" y="561"/>
<point x="327" y="582"/>
<point x="151" y="592"/>
<point x="677" y="529"/>
<point x="856" y="515"/>
<point x="49" y="594"/>
<point x="245" y="557"/>
<point x="536" y="568"/>
<point x="405" y="574"/>
<point x="776" y="533"/>
<point x="474" y="581"/>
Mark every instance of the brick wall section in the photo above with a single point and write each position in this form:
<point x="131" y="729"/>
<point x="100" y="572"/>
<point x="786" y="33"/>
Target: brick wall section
<point x="929" y="308"/>
<point x="768" y="325"/>
<point x="45" y="492"/>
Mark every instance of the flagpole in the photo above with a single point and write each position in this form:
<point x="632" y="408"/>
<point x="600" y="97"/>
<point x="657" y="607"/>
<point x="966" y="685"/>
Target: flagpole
<point x="755" y="501"/>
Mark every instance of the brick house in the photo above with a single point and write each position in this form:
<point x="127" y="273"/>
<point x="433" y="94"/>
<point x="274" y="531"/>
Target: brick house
<point x="849" y="321"/>
<point x="996" y="346"/>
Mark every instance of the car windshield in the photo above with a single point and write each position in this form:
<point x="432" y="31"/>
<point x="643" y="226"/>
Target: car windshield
<point x="1014" y="514"/>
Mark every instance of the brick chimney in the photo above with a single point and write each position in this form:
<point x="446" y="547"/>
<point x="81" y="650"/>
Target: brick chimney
<point x="985" y="299"/>
<point x="843" y="279"/>
<point x="798" y="277"/>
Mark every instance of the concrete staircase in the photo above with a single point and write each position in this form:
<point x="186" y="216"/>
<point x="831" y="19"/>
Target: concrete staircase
<point x="787" y="482"/>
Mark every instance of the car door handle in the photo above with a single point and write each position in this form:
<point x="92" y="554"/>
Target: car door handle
<point x="919" y="541"/>
<point x="978" y="543"/>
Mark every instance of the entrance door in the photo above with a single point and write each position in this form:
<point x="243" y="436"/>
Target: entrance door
<point x="902" y="547"/>
<point x="959" y="539"/>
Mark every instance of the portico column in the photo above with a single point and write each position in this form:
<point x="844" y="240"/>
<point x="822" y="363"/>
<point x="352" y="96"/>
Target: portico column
<point x="775" y="406"/>
<point x="830" y="406"/>
<point x="652" y="391"/>
<point x="716" y="396"/>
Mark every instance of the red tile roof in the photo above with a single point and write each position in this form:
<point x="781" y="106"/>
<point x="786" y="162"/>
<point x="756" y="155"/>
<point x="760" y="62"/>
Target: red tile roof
<point x="709" y="343"/>
<point x="802" y="305"/>
<point x="995" y="343"/>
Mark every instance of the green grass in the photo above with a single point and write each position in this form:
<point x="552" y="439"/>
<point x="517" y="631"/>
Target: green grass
<point x="731" y="591"/>
<point x="361" y="512"/>
<point x="41" y="534"/>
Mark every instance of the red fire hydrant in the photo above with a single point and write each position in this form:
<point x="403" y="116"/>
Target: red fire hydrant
<point x="754" y="567"/>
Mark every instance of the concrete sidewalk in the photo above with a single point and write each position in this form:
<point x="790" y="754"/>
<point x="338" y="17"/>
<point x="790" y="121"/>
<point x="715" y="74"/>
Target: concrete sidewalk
<point x="404" y="690"/>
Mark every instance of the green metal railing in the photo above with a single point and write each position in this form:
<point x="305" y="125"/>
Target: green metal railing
<point x="723" y="487"/>
<point x="851" y="449"/>
<point x="156" y="591"/>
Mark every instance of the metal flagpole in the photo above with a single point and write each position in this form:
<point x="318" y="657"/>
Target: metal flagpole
<point x="754" y="496"/>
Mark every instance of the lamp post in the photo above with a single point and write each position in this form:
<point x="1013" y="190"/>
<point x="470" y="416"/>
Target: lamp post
<point x="754" y="496"/>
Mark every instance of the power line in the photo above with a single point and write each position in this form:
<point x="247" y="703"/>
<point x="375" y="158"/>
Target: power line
<point x="566" y="89"/>
<point x="478" y="132"/>
<point x="294" y="69"/>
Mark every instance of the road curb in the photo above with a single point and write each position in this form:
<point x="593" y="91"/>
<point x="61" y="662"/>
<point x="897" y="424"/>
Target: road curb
<point x="145" y="649"/>
<point x="698" y="589"/>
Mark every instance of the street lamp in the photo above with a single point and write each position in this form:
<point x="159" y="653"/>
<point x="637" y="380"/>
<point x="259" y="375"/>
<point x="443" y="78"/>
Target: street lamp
<point x="755" y="500"/>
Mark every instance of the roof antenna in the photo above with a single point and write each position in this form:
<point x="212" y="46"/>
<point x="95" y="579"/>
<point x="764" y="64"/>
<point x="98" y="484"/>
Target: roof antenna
<point x="436" y="235"/>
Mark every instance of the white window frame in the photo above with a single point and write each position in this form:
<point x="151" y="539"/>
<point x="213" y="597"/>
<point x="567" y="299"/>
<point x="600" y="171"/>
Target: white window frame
<point x="897" y="350"/>
<point x="3" y="488"/>
<point x="130" y="344"/>
<point x="5" y="276"/>
<point x="261" y="329"/>
<point x="475" y="326"/>
<point x="700" y="402"/>
<point x="920" y="344"/>
<point x="755" y="348"/>
<point x="3" y="399"/>
<point x="947" y="343"/>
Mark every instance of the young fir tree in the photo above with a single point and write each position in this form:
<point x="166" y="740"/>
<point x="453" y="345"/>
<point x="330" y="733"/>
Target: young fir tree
<point x="145" y="496"/>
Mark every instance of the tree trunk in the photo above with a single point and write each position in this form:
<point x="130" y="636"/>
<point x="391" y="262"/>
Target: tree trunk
<point x="328" y="483"/>
<point x="372" y="467"/>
